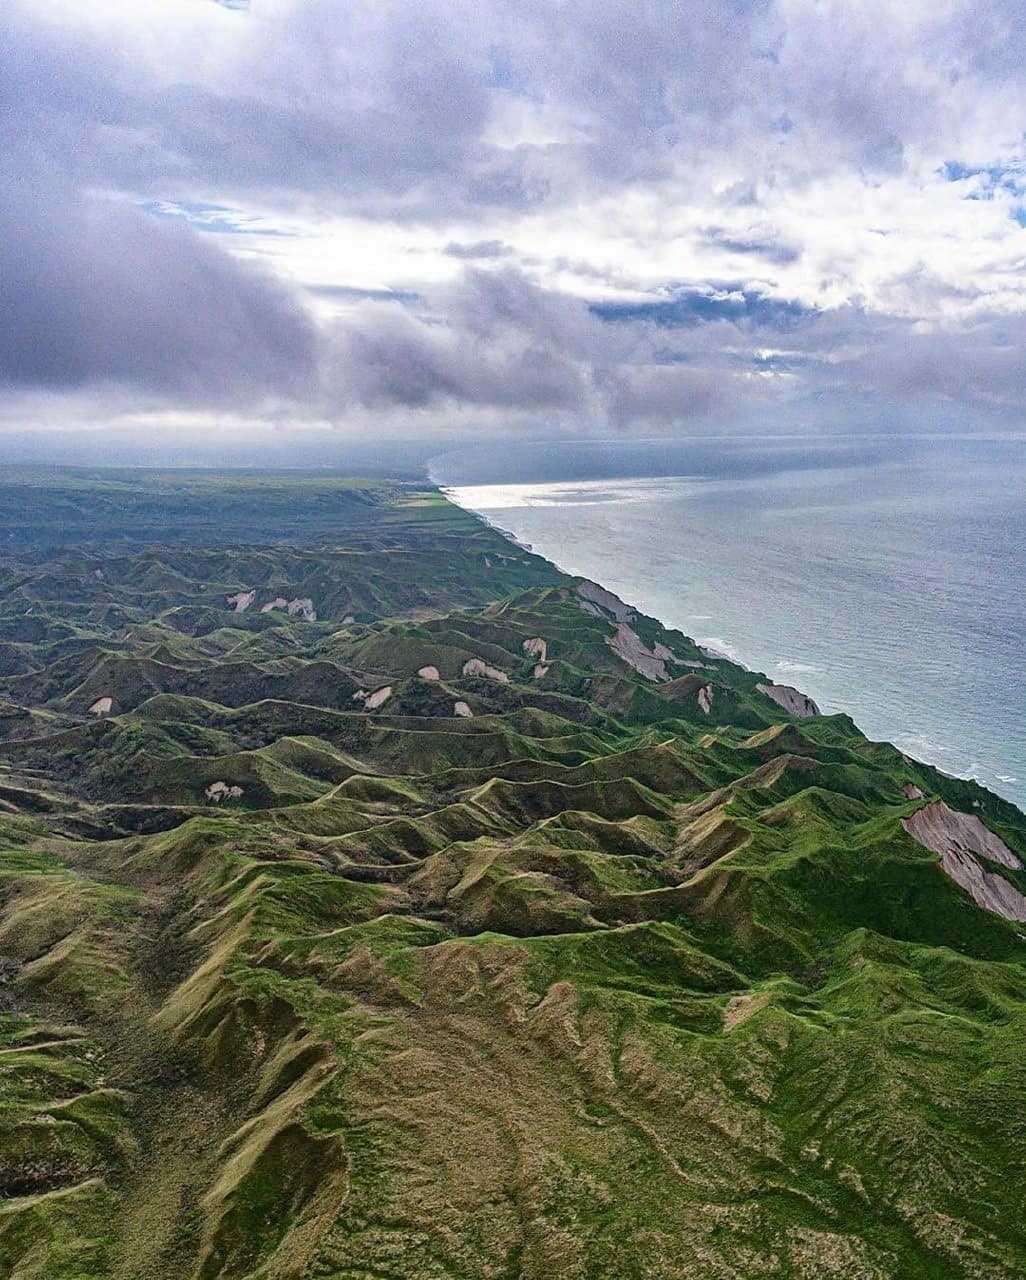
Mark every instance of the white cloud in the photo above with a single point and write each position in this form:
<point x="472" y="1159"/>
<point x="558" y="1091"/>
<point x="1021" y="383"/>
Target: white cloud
<point x="364" y="153"/>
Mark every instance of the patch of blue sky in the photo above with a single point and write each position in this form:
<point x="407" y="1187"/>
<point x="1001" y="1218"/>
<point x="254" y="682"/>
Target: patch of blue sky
<point x="991" y="182"/>
<point x="215" y="218"/>
<point x="689" y="306"/>
<point x="990" y="179"/>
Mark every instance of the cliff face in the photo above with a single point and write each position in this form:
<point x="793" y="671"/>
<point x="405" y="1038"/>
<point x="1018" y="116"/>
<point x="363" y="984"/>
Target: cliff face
<point x="579" y="953"/>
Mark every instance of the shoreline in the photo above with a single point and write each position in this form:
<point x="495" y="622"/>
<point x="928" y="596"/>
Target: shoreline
<point x="508" y="534"/>
<point x="713" y="644"/>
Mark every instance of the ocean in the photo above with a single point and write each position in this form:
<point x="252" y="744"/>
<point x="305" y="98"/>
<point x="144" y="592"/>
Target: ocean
<point x="884" y="576"/>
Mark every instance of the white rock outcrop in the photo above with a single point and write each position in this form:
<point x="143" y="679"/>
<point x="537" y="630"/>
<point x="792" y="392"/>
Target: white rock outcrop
<point x="603" y="601"/>
<point x="303" y="607"/>
<point x="536" y="648"/>
<point x="461" y="709"/>
<point x="101" y="707"/>
<point x="629" y="645"/>
<point x="242" y="600"/>
<point x="794" y="702"/>
<point x="429" y="673"/>
<point x="960" y="840"/>
<point x="378" y="698"/>
<point x="218" y="791"/>
<point x="705" y="697"/>
<point x="279" y="602"/>
<point x="478" y="667"/>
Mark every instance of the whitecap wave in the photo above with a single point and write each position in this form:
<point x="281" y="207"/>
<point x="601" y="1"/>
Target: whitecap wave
<point x="717" y="647"/>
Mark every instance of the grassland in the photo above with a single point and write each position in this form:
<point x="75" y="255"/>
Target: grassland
<point x="615" y="976"/>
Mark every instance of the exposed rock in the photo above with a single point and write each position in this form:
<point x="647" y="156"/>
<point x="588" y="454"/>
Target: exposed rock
<point x="540" y="670"/>
<point x="960" y="839"/>
<point x="590" y="593"/>
<point x="794" y="702"/>
<point x="705" y="697"/>
<point x="378" y="698"/>
<point x="667" y="655"/>
<point x="304" y="607"/>
<point x="218" y="791"/>
<point x="741" y="1007"/>
<point x="536" y="648"/>
<point x="101" y="707"/>
<point x="710" y="651"/>
<point x="912" y="792"/>
<point x="360" y="695"/>
<point x="629" y="645"/>
<point x="698" y="666"/>
<point x="242" y="600"/>
<point x="478" y="667"/>
<point x="429" y="673"/>
<point x="279" y="602"/>
<point x="942" y="828"/>
<point x="461" y="709"/>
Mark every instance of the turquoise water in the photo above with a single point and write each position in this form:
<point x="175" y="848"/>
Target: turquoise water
<point x="885" y="579"/>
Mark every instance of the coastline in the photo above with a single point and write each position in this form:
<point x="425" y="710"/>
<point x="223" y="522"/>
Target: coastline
<point x="448" y="494"/>
<point x="479" y="866"/>
<point x="950" y="756"/>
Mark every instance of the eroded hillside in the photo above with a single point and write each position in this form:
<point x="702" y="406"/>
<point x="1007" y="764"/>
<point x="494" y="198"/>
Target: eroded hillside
<point x="383" y="902"/>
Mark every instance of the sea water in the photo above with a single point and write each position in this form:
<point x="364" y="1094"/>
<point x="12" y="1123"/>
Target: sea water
<point x="885" y="577"/>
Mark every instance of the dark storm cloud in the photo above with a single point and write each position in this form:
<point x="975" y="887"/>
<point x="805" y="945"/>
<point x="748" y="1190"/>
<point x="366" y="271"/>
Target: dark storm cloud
<point x="96" y="292"/>
<point x="492" y="340"/>
<point x="497" y="341"/>
<point x="985" y="363"/>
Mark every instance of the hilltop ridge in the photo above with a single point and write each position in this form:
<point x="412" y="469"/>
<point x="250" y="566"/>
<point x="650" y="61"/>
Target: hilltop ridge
<point x="378" y="900"/>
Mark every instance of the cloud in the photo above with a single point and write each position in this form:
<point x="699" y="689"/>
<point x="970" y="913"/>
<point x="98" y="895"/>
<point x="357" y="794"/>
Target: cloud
<point x="477" y="250"/>
<point x="494" y="340"/>
<point x="94" y="292"/>
<point x="491" y="340"/>
<point x="769" y="247"/>
<point x="593" y="214"/>
<point x="440" y="107"/>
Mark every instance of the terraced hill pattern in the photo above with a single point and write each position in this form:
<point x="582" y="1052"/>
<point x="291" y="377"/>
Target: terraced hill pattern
<point x="378" y="901"/>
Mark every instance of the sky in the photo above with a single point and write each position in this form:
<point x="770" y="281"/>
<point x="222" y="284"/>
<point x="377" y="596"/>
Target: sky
<point x="445" y="220"/>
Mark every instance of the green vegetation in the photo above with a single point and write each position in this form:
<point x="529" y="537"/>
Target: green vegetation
<point x="613" y="976"/>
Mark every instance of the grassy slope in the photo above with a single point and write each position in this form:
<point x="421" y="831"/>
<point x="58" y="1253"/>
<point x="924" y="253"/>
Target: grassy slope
<point x="596" y="982"/>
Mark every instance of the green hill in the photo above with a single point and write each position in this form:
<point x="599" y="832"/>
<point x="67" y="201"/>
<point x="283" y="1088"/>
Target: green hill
<point x="461" y="922"/>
